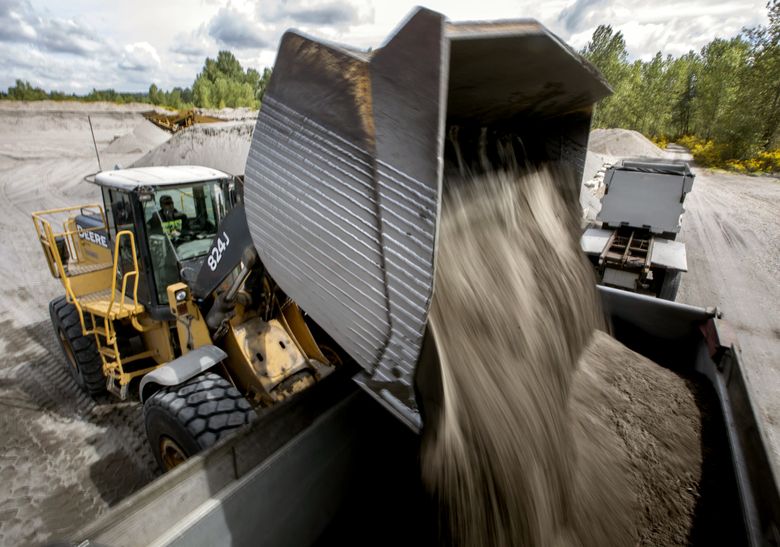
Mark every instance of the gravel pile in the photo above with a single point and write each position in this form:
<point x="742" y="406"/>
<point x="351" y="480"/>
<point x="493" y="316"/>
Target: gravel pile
<point x="143" y="138"/>
<point x="623" y="143"/>
<point x="223" y="146"/>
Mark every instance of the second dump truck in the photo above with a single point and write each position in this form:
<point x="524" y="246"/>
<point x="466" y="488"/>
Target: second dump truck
<point x="635" y="247"/>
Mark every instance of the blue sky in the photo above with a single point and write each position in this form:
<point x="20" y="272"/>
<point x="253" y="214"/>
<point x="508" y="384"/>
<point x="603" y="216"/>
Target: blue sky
<point x="78" y="45"/>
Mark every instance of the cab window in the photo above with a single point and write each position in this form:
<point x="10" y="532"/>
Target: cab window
<point x="181" y="224"/>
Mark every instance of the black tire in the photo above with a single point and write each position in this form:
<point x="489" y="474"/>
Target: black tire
<point x="183" y="420"/>
<point x="81" y="354"/>
<point x="670" y="285"/>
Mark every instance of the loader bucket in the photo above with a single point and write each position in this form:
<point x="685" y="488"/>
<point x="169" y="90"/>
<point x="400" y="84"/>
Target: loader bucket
<point x="352" y="151"/>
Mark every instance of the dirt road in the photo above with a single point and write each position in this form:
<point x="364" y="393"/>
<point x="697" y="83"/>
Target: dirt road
<point x="64" y="458"/>
<point x="732" y="235"/>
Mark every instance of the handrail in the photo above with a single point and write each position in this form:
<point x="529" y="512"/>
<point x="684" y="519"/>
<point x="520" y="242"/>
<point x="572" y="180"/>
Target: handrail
<point x="43" y="238"/>
<point x="71" y="296"/>
<point x="125" y="275"/>
<point x="48" y="238"/>
<point x="66" y="209"/>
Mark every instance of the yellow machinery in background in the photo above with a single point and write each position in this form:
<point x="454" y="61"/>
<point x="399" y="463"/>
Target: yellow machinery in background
<point x="162" y="282"/>
<point x="179" y="120"/>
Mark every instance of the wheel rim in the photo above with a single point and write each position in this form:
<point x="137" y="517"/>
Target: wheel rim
<point x="172" y="454"/>
<point x="71" y="358"/>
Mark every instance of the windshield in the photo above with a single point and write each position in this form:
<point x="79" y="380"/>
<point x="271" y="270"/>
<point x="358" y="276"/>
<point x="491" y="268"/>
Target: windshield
<point x="181" y="224"/>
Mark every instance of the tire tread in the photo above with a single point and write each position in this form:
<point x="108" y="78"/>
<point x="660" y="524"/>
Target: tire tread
<point x="205" y="406"/>
<point x="65" y="317"/>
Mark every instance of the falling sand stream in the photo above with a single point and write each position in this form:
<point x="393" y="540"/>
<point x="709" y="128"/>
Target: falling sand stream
<point x="548" y="433"/>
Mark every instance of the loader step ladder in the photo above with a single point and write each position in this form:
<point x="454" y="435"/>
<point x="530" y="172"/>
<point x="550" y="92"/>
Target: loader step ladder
<point x="110" y="305"/>
<point x="91" y="286"/>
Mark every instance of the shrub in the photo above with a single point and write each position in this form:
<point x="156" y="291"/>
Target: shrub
<point x="711" y="154"/>
<point x="661" y="141"/>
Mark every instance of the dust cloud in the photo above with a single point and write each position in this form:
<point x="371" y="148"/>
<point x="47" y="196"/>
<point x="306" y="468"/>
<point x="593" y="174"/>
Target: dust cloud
<point x="525" y="450"/>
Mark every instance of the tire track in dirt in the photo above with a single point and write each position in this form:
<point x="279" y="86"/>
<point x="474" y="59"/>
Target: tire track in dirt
<point x="66" y="458"/>
<point x="46" y="454"/>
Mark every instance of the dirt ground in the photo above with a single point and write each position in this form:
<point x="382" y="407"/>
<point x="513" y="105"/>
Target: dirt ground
<point x="64" y="458"/>
<point x="731" y="230"/>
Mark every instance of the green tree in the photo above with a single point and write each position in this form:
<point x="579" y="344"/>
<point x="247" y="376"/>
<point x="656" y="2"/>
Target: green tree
<point x="722" y="64"/>
<point x="686" y="70"/>
<point x="23" y="91"/>
<point x="224" y="83"/>
<point x="764" y="77"/>
<point x="607" y="51"/>
<point x="262" y="84"/>
<point x="155" y="95"/>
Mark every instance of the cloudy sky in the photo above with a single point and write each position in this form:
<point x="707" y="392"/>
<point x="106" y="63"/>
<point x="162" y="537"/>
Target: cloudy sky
<point x="77" y="45"/>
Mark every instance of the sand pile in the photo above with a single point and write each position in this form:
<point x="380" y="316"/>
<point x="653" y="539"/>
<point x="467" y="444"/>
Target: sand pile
<point x="76" y="107"/>
<point x="535" y="445"/>
<point x="592" y="189"/>
<point x="655" y="421"/>
<point x="37" y="134"/>
<point x="623" y="143"/>
<point x="222" y="146"/>
<point x="144" y="137"/>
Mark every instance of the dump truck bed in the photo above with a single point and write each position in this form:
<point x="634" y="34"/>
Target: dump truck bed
<point x="646" y="193"/>
<point x="306" y="472"/>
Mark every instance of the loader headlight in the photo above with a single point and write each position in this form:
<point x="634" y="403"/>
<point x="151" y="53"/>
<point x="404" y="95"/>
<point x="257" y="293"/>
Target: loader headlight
<point x="181" y="296"/>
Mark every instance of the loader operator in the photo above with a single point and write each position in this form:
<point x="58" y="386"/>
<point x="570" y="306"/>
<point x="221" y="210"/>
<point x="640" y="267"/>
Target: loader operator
<point x="168" y="220"/>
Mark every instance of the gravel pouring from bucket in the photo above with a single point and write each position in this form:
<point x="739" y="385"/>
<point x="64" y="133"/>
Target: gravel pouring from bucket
<point x="351" y="154"/>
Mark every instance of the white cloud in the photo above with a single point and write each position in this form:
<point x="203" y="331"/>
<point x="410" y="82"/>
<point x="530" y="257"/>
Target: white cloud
<point x="140" y="57"/>
<point x="233" y="28"/>
<point x="672" y="27"/>
<point x="65" y="45"/>
<point x="321" y="13"/>
<point x="194" y="45"/>
<point x="21" y="24"/>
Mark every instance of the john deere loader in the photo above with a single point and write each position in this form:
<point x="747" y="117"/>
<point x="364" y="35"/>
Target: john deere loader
<point x="162" y="282"/>
<point x="318" y="274"/>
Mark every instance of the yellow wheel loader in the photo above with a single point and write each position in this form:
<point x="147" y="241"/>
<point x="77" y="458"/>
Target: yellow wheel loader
<point x="179" y="120"/>
<point x="162" y="282"/>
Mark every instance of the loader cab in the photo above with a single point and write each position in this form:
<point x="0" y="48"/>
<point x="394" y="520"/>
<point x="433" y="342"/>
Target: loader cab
<point x="173" y="213"/>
